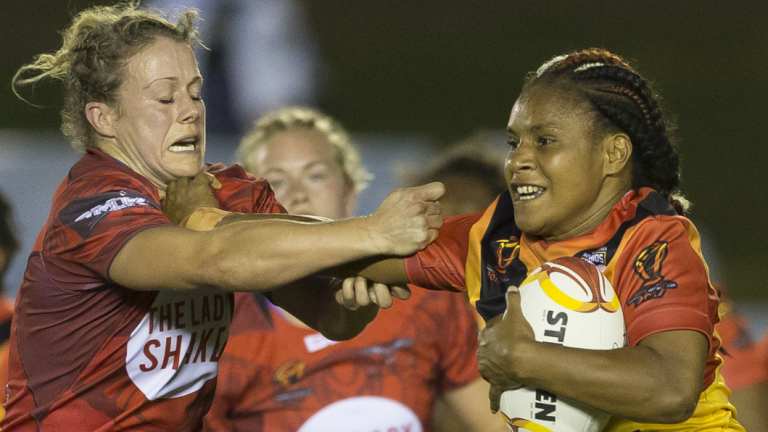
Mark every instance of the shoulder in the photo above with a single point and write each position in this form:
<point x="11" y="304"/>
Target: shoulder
<point x="242" y="192"/>
<point x="97" y="173"/>
<point x="661" y="228"/>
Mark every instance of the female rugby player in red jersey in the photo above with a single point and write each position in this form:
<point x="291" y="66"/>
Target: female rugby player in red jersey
<point x="592" y="172"/>
<point x="122" y="315"/>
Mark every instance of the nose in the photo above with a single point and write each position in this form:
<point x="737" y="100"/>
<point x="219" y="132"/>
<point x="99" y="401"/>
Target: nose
<point x="295" y="195"/>
<point x="191" y="110"/>
<point x="520" y="159"/>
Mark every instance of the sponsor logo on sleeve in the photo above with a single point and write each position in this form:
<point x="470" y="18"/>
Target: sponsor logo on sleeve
<point x="84" y="214"/>
<point x="649" y="266"/>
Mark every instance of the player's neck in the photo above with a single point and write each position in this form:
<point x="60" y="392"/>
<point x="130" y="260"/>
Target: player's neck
<point x="131" y="161"/>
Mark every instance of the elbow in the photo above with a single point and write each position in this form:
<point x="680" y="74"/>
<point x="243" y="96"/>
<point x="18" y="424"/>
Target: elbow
<point x="339" y="324"/>
<point x="673" y="405"/>
<point x="339" y="330"/>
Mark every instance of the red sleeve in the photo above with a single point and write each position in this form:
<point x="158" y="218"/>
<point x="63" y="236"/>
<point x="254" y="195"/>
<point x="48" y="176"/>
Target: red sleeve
<point x="457" y="342"/>
<point x="440" y="266"/>
<point x="662" y="281"/>
<point x="93" y="223"/>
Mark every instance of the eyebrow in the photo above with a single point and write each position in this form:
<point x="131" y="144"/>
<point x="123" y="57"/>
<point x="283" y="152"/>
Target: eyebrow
<point x="316" y="163"/>
<point x="196" y="79"/>
<point x="537" y="127"/>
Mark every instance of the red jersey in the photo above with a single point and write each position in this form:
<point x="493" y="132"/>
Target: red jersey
<point x="88" y="354"/>
<point x="650" y="254"/>
<point x="276" y="376"/>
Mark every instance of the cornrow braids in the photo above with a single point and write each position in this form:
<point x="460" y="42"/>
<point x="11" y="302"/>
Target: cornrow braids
<point x="624" y="101"/>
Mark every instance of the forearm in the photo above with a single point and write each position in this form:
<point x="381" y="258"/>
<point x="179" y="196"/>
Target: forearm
<point x="387" y="270"/>
<point x="632" y="382"/>
<point x="321" y="312"/>
<point x="264" y="254"/>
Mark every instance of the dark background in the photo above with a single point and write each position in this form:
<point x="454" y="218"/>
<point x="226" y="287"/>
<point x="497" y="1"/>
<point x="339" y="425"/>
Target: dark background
<point x="445" y="69"/>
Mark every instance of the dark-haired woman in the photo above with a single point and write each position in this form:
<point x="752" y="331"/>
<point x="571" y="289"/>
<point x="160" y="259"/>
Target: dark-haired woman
<point x="592" y="172"/>
<point x="122" y="315"/>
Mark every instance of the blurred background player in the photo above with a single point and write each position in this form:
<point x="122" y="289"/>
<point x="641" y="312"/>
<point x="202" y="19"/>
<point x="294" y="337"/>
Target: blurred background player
<point x="745" y="368"/>
<point x="470" y="171"/>
<point x="9" y="245"/>
<point x="279" y="375"/>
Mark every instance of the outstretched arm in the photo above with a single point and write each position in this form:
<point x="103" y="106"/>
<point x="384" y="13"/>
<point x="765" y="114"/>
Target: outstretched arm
<point x="311" y="299"/>
<point x="264" y="254"/>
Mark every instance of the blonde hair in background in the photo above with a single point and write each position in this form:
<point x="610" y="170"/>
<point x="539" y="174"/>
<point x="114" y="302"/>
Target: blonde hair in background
<point x="90" y="62"/>
<point x="298" y="117"/>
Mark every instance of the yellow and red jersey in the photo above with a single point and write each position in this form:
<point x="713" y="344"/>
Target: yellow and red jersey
<point x="278" y="376"/>
<point x="88" y="354"/>
<point x="651" y="255"/>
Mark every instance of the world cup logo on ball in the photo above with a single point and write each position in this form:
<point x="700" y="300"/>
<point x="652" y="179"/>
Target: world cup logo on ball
<point x="569" y="302"/>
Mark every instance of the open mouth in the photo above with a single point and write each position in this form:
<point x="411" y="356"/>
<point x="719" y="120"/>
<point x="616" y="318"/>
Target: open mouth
<point x="188" y="144"/>
<point x="526" y="192"/>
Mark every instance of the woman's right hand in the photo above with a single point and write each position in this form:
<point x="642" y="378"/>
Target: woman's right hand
<point x="407" y="220"/>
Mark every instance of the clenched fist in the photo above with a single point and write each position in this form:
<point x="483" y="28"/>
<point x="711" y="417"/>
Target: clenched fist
<point x="407" y="220"/>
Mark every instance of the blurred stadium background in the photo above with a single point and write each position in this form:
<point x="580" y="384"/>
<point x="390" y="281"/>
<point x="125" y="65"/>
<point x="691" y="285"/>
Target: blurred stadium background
<point x="411" y="77"/>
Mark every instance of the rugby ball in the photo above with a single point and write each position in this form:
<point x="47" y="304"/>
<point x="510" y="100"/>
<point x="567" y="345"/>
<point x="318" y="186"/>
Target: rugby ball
<point x="569" y="302"/>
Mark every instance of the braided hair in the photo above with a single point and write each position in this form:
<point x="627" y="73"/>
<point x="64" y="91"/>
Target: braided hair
<point x="623" y="101"/>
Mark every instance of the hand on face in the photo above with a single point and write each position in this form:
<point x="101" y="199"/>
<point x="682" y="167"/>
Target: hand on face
<point x="498" y="345"/>
<point x="358" y="292"/>
<point x="184" y="195"/>
<point x="407" y="220"/>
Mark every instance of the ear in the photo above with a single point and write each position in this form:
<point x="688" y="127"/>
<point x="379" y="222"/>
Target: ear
<point x="617" y="150"/>
<point x="101" y="117"/>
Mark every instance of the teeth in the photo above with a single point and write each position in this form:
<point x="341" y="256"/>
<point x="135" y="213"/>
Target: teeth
<point x="528" y="192"/>
<point x="179" y="148"/>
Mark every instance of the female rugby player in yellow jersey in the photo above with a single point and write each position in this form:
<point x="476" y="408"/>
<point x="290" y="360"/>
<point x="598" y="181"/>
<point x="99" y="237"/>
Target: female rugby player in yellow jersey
<point x="592" y="172"/>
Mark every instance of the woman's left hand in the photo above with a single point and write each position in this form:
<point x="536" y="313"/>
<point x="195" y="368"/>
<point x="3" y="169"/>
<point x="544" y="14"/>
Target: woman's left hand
<point x="501" y="345"/>
<point x="185" y="195"/>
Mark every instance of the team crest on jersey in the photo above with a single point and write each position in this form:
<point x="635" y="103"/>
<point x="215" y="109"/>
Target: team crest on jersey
<point x="290" y="373"/>
<point x="84" y="214"/>
<point x="506" y="252"/>
<point x="649" y="266"/>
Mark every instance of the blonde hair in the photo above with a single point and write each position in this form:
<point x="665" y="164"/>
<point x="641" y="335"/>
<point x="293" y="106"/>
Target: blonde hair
<point x="297" y="117"/>
<point x="94" y="51"/>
